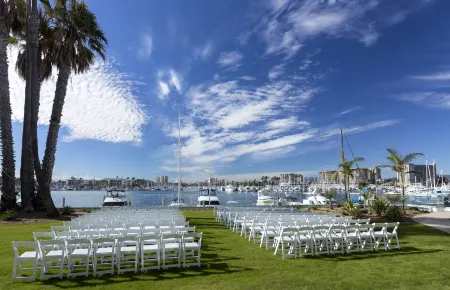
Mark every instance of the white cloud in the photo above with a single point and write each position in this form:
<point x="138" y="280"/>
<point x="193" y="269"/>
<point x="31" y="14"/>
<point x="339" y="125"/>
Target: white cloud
<point x="438" y="100"/>
<point x="175" y="80"/>
<point x="248" y="78"/>
<point x="440" y="76"/>
<point x="145" y="46"/>
<point x="276" y="71"/>
<point x="203" y="52"/>
<point x="350" y="110"/>
<point x="99" y="105"/>
<point x="163" y="90"/>
<point x="230" y="60"/>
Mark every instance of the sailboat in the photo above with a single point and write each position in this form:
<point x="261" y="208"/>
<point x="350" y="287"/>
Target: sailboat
<point x="178" y="202"/>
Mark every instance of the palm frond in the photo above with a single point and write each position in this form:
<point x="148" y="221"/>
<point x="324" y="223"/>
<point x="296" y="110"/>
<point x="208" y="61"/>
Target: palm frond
<point x="411" y="156"/>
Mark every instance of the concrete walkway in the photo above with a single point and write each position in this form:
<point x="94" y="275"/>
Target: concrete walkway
<point x="437" y="220"/>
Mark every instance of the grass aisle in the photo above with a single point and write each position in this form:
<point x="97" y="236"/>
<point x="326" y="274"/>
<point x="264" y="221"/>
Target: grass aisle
<point x="230" y="262"/>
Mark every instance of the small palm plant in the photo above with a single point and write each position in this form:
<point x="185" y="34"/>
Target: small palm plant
<point x="330" y="195"/>
<point x="398" y="164"/>
<point x="347" y="172"/>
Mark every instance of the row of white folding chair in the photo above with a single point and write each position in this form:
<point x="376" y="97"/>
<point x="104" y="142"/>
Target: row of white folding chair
<point x="110" y="251"/>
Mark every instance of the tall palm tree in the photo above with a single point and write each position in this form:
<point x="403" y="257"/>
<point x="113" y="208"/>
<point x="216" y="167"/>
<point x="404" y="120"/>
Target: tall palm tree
<point x="347" y="172"/>
<point x="77" y="39"/>
<point x="43" y="71"/>
<point x="11" y="20"/>
<point x="398" y="164"/>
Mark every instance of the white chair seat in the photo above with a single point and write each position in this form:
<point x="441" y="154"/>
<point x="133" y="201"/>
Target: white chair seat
<point x="104" y="251"/>
<point x="80" y="252"/>
<point x="129" y="249"/>
<point x="189" y="246"/>
<point x="55" y="253"/>
<point x="29" y="255"/>
<point x="170" y="246"/>
<point x="150" y="247"/>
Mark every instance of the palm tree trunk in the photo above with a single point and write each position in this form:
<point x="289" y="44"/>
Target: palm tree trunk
<point x="52" y="138"/>
<point x="8" y="199"/>
<point x="25" y="166"/>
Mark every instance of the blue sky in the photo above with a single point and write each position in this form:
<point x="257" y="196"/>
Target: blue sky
<point x="263" y="88"/>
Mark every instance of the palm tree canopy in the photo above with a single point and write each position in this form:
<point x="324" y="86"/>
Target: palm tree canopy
<point x="45" y="42"/>
<point x="12" y="14"/>
<point x="77" y="36"/>
<point x="398" y="161"/>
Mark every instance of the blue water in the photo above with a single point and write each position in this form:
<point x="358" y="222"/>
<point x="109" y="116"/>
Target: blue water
<point x="148" y="198"/>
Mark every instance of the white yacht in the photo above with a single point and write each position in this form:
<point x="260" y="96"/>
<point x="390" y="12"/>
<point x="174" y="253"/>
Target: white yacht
<point x="207" y="197"/>
<point x="116" y="197"/>
<point x="267" y="197"/>
<point x="230" y="188"/>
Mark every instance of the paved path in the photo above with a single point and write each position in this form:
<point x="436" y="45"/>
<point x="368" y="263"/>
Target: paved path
<point x="437" y="220"/>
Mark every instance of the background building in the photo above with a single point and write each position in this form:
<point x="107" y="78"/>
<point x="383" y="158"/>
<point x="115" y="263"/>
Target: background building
<point x="291" y="178"/>
<point x="419" y="173"/>
<point x="368" y="175"/>
<point x="162" y="180"/>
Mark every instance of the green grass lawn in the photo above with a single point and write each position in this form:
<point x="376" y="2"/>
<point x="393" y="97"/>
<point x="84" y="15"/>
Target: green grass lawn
<point x="230" y="262"/>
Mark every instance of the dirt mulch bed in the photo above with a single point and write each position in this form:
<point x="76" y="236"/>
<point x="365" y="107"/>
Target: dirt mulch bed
<point x="373" y="218"/>
<point x="37" y="217"/>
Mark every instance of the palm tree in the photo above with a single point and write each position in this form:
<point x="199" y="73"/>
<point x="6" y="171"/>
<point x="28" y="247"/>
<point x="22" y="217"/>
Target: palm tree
<point x="11" y="20"/>
<point x="398" y="164"/>
<point x="43" y="66"/>
<point x="347" y="172"/>
<point x="77" y="38"/>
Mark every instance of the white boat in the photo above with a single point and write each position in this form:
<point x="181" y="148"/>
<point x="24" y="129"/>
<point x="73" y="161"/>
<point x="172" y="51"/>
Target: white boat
<point x="207" y="198"/>
<point x="230" y="188"/>
<point x="177" y="203"/>
<point x="116" y="198"/>
<point x="267" y="197"/>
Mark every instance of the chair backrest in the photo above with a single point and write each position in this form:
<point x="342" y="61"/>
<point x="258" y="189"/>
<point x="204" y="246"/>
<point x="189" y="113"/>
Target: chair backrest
<point x="128" y="240"/>
<point x="18" y="245"/>
<point x="288" y="231"/>
<point x="149" y="239"/>
<point x="306" y="231"/>
<point x="379" y="227"/>
<point x="197" y="237"/>
<point x="88" y="234"/>
<point x="363" y="221"/>
<point x="78" y="243"/>
<point x="101" y="242"/>
<point x="365" y="227"/>
<point x="322" y="230"/>
<point x="42" y="236"/>
<point x="186" y="230"/>
<point x="130" y="232"/>
<point x="392" y="227"/>
<point x="66" y="235"/>
<point x="169" y="238"/>
<point x="52" y="244"/>
<point x="59" y="228"/>
<point x="110" y="233"/>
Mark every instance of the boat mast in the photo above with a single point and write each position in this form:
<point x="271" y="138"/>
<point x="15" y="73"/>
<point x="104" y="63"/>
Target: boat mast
<point x="179" y="152"/>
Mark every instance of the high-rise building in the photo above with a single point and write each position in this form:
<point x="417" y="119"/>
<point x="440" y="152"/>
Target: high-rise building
<point x="162" y="180"/>
<point x="368" y="175"/>
<point x="423" y="174"/>
<point x="290" y="178"/>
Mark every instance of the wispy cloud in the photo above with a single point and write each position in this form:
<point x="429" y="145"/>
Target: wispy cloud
<point x="167" y="79"/>
<point x="145" y="46"/>
<point x="348" y="111"/>
<point x="440" y="76"/>
<point x="203" y="52"/>
<point x="230" y="60"/>
<point x="248" y="78"/>
<point x="276" y="71"/>
<point x="438" y="100"/>
<point x="114" y="113"/>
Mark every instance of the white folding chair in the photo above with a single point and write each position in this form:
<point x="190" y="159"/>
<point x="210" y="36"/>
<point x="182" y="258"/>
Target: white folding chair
<point x="78" y="250"/>
<point x="305" y="241"/>
<point x="42" y="236"/>
<point x="127" y="253"/>
<point x="104" y="252"/>
<point x="256" y="229"/>
<point x="287" y="238"/>
<point x="56" y="229"/>
<point x="336" y="236"/>
<point x="191" y="243"/>
<point x="379" y="236"/>
<point x="90" y="234"/>
<point x="321" y="240"/>
<point x="31" y="254"/>
<point x="237" y="223"/>
<point x="130" y="232"/>
<point x="53" y="256"/>
<point x="187" y="230"/>
<point x="66" y="235"/>
<point x="150" y="252"/>
<point x="391" y="233"/>
<point x="171" y="250"/>
<point x="365" y="237"/>
<point x="352" y="238"/>
<point x="268" y="235"/>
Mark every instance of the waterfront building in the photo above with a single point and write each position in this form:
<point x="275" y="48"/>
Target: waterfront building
<point x="423" y="174"/>
<point x="367" y="175"/>
<point x="291" y="179"/>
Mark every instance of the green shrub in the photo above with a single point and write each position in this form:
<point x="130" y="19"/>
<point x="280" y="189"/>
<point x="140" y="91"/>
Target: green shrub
<point x="357" y="212"/>
<point x="67" y="210"/>
<point x="348" y="207"/>
<point x="379" y="206"/>
<point x="393" y="198"/>
<point x="393" y="213"/>
<point x="87" y="210"/>
<point x="10" y="215"/>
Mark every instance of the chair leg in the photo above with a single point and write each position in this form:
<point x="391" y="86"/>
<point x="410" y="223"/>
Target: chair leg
<point x="14" y="270"/>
